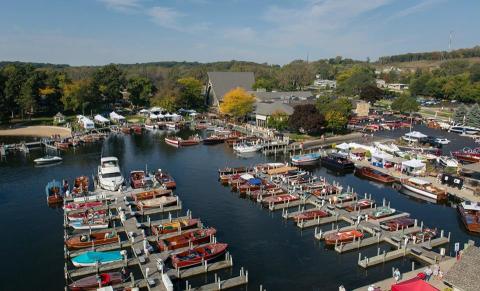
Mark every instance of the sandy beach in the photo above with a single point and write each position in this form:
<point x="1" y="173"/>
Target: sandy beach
<point x="40" y="131"/>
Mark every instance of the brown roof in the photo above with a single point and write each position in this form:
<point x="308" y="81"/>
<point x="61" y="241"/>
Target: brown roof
<point x="464" y="274"/>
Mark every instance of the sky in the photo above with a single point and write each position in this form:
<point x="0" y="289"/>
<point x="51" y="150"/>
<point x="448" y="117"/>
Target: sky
<point x="97" y="32"/>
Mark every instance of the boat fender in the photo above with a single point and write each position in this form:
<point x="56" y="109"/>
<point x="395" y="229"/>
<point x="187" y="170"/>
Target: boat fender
<point x="123" y="252"/>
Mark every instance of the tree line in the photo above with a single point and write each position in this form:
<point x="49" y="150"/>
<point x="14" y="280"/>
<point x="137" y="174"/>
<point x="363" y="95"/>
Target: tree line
<point x="432" y="56"/>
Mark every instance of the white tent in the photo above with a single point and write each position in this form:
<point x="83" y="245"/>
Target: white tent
<point x="100" y="119"/>
<point x="176" y="117"/>
<point x="144" y="111"/>
<point x="153" y="116"/>
<point x="116" y="117"/>
<point x="167" y="115"/>
<point x="415" y="167"/>
<point x="415" y="134"/>
<point x="343" y="146"/>
<point x="156" y="109"/>
<point x="87" y="123"/>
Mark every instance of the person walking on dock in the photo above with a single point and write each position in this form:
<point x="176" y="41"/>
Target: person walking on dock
<point x="428" y="273"/>
<point x="397" y="275"/>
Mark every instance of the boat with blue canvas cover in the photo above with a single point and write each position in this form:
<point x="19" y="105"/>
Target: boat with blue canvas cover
<point x="306" y="159"/>
<point x="91" y="258"/>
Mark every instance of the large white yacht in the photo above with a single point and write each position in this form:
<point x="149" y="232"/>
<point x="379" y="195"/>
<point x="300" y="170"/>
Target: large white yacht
<point x="109" y="174"/>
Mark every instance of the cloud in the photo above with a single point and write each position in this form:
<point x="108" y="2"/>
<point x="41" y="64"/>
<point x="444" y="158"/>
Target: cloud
<point x="165" y="17"/>
<point x="240" y="34"/>
<point x="122" y="5"/>
<point x="421" y="6"/>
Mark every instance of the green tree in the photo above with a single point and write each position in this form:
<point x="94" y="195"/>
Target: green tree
<point x="460" y="114"/>
<point x="264" y="83"/>
<point x="475" y="73"/>
<point x="109" y="81"/>
<point x="295" y="75"/>
<point x="4" y="112"/>
<point x="342" y="105"/>
<point x="190" y="93"/>
<point x="278" y="120"/>
<point x="371" y="93"/>
<point x="351" y="81"/>
<point x="78" y="95"/>
<point x="167" y="102"/>
<point x="473" y="116"/>
<point x="335" y="120"/>
<point x="405" y="104"/>
<point x="15" y="76"/>
<point x="141" y="89"/>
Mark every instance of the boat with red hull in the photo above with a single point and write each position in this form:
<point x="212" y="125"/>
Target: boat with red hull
<point x="198" y="255"/>
<point x="137" y="179"/>
<point x="361" y="204"/>
<point x="467" y="155"/>
<point x="283" y="198"/>
<point x="374" y="175"/>
<point x="342" y="237"/>
<point x="193" y="238"/>
<point x="399" y="223"/>
<point x="470" y="215"/>
<point x="82" y="205"/>
<point x="92" y="282"/>
<point x="145" y="195"/>
<point x="213" y="139"/>
<point x="180" y="142"/>
<point x="165" y="179"/>
<point x="174" y="226"/>
<point x="89" y="214"/>
<point x="310" y="215"/>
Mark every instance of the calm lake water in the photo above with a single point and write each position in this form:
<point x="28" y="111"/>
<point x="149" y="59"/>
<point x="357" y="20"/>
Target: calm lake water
<point x="275" y="252"/>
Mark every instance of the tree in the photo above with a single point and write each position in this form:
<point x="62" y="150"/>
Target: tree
<point x="306" y="118"/>
<point x="4" y="112"/>
<point x="342" y="105"/>
<point x="78" y="95"/>
<point x="140" y="89"/>
<point x="15" y="76"/>
<point x="190" y="93"/>
<point x="167" y="102"/>
<point x="475" y="73"/>
<point x="265" y="83"/>
<point x="295" y="75"/>
<point x="473" y="116"/>
<point x="237" y="103"/>
<point x="278" y="120"/>
<point x="109" y="81"/>
<point x="351" y="81"/>
<point x="371" y="93"/>
<point x="335" y="120"/>
<point x="460" y="114"/>
<point x="405" y="104"/>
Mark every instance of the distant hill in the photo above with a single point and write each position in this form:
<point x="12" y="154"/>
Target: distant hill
<point x="432" y="56"/>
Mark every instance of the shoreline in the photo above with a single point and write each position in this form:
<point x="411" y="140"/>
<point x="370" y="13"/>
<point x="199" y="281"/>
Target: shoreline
<point x="37" y="131"/>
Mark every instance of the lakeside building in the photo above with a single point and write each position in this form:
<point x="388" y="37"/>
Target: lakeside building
<point x="219" y="83"/>
<point x="263" y="111"/>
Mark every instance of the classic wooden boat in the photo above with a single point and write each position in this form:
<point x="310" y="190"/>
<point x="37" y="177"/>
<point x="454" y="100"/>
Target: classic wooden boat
<point x="89" y="224"/>
<point x="337" y="161"/>
<point x="310" y="214"/>
<point x="62" y="145"/>
<point x="52" y="190"/>
<point x="137" y="179"/>
<point x="198" y="255"/>
<point x="80" y="184"/>
<point x="92" y="282"/>
<point x="344" y="197"/>
<point x="283" y="198"/>
<point x="470" y="215"/>
<point x="374" y="175"/>
<point x="399" y="223"/>
<point x="381" y="212"/>
<point x="306" y="159"/>
<point x="145" y="195"/>
<point x="178" y="141"/>
<point x="193" y="238"/>
<point x="266" y="193"/>
<point x="157" y="202"/>
<point x="325" y="191"/>
<point x="89" y="214"/>
<point x="361" y="204"/>
<point x="424" y="235"/>
<point x="82" y="205"/>
<point x="137" y="129"/>
<point x="229" y="171"/>
<point x="174" y="226"/>
<point x="342" y="237"/>
<point x="93" y="239"/>
<point x="424" y="188"/>
<point x="165" y="179"/>
<point x="94" y="258"/>
<point x="213" y="139"/>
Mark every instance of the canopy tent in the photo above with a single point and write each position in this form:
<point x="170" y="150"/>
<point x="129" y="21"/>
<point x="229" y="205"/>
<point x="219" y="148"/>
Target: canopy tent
<point x="100" y="119"/>
<point x="144" y="111"/>
<point x="343" y="146"/>
<point x="156" y="109"/>
<point x="153" y="116"/>
<point x="247" y="177"/>
<point x="415" y="134"/>
<point x="176" y="117"/>
<point x="116" y="117"/>
<point x="415" y="284"/>
<point x="413" y="164"/>
<point x="87" y="123"/>
<point x="415" y="167"/>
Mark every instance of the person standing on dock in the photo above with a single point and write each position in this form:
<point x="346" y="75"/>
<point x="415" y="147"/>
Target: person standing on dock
<point x="397" y="275"/>
<point x="428" y="273"/>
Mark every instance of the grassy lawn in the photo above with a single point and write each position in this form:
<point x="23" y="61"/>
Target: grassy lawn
<point x="135" y="118"/>
<point x="431" y="112"/>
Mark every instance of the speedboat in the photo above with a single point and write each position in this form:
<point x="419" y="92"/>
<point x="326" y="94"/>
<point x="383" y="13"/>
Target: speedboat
<point x="307" y="159"/>
<point x="424" y="188"/>
<point x="194" y="238"/>
<point x="246" y="148"/>
<point x="52" y="189"/>
<point x="109" y="174"/>
<point x="95" y="224"/>
<point x="93" y="239"/>
<point x="198" y="255"/>
<point x="47" y="160"/>
<point x="94" y="258"/>
<point x="464" y="129"/>
<point x="447" y="162"/>
<point x="92" y="282"/>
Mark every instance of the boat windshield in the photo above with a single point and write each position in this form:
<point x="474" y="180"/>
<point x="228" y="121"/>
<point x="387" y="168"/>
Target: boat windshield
<point x="112" y="175"/>
<point x="109" y="164"/>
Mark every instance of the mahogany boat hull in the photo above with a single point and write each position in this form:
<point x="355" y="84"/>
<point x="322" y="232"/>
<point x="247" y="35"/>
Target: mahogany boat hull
<point x="194" y="238"/>
<point x="310" y="215"/>
<point x="342" y="237"/>
<point x="198" y="255"/>
<point x="96" y="239"/>
<point x="91" y="283"/>
<point x="369" y="174"/>
<point x="471" y="222"/>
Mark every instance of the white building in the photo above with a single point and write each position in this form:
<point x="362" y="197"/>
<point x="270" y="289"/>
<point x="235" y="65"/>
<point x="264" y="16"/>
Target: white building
<point x="325" y="84"/>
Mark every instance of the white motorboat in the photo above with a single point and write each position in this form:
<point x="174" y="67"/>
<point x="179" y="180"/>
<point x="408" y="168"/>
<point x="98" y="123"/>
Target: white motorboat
<point x="109" y="174"/>
<point x="424" y="188"/>
<point x="442" y="140"/>
<point x="47" y="160"/>
<point x="150" y="127"/>
<point x="247" y="148"/>
<point x="447" y="162"/>
<point x="391" y="149"/>
<point x="464" y="129"/>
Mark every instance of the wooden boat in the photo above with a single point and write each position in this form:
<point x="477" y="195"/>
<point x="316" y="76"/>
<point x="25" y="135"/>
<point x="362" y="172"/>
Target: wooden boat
<point x="361" y="204"/>
<point x="52" y="190"/>
<point x="337" y="161"/>
<point x="145" y="195"/>
<point x="137" y="179"/>
<point x="47" y="160"/>
<point x="283" y="198"/>
<point x="344" y="197"/>
<point x="89" y="224"/>
<point x="424" y="188"/>
<point x="381" y="212"/>
<point x="193" y="238"/>
<point x="306" y="159"/>
<point x="94" y="258"/>
<point x="198" y="255"/>
<point x="213" y="139"/>
<point x="174" y="226"/>
<point x="126" y="130"/>
<point x="229" y="171"/>
<point x="157" y="202"/>
<point x="62" y="145"/>
<point x="92" y="282"/>
<point x="374" y="175"/>
<point x="470" y="215"/>
<point x="399" y="223"/>
<point x="310" y="215"/>
<point x="325" y="191"/>
<point x="80" y="184"/>
<point x="421" y="236"/>
<point x="342" y="237"/>
<point x="467" y="155"/>
<point x="82" y="205"/>
<point x="137" y="129"/>
<point x="178" y="141"/>
<point x="165" y="179"/>
<point x="93" y="239"/>
<point x="266" y="193"/>
<point x="88" y="214"/>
